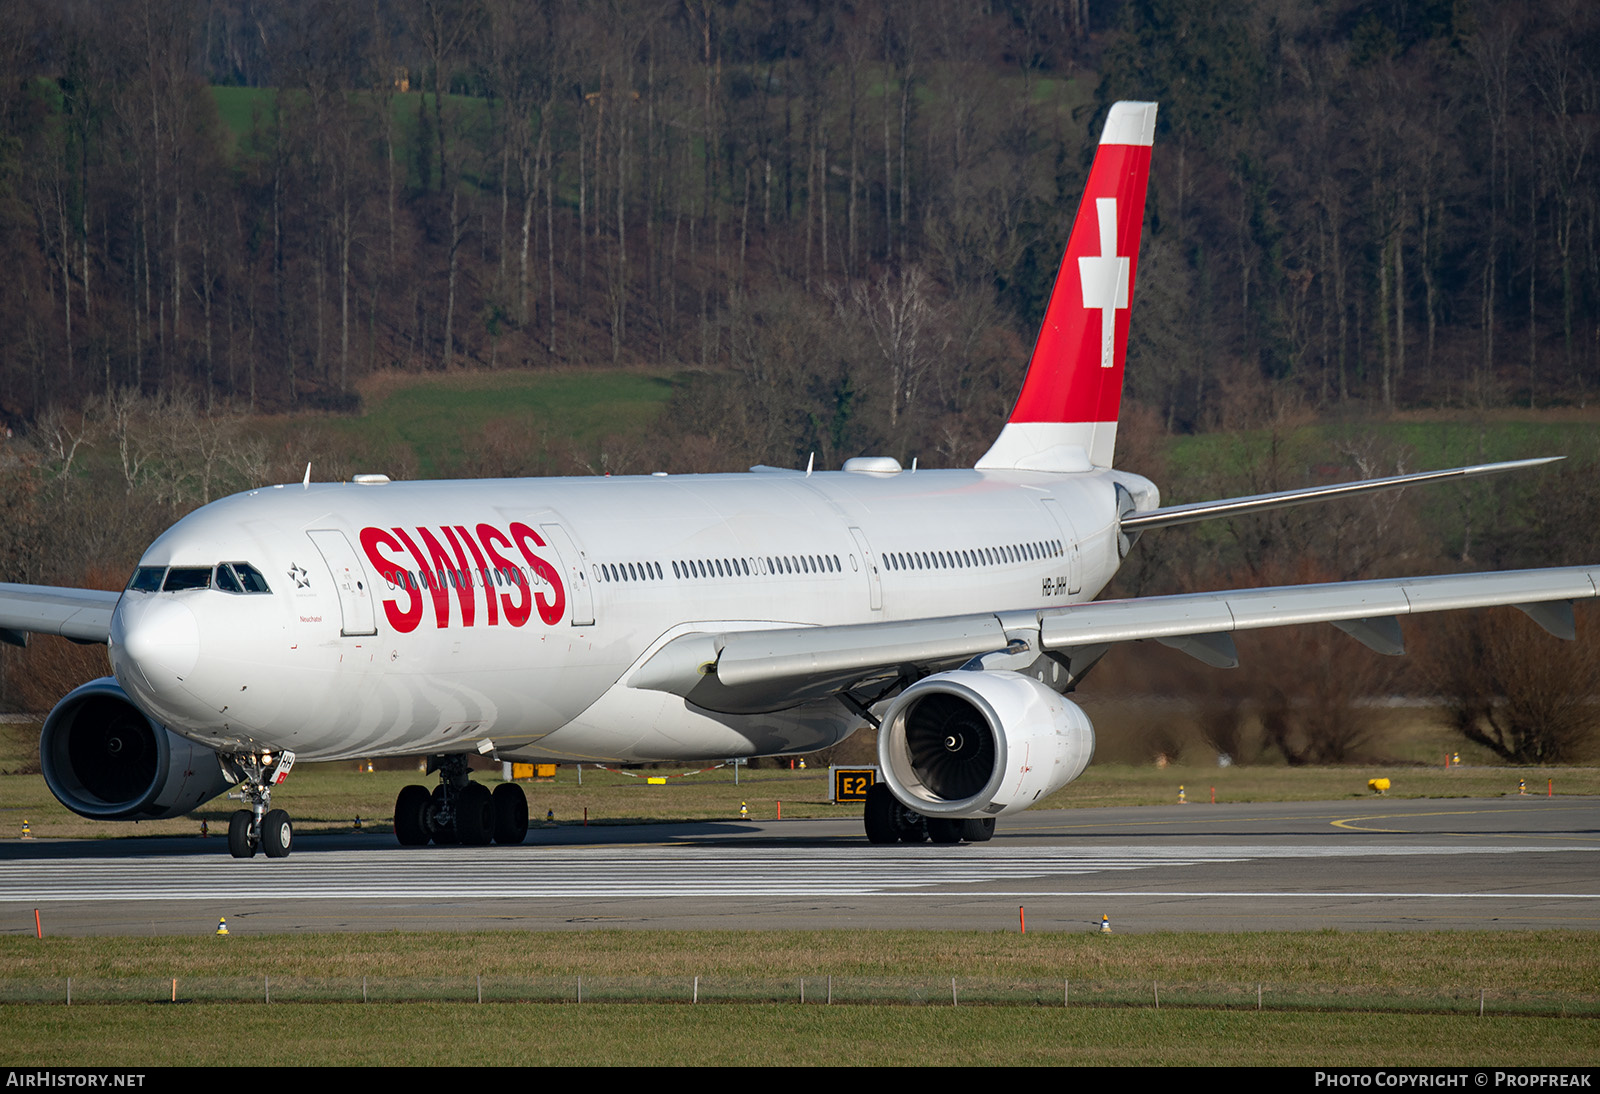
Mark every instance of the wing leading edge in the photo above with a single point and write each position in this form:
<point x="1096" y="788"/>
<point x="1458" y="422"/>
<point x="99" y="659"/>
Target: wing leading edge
<point x="771" y="669"/>
<point x="83" y="615"/>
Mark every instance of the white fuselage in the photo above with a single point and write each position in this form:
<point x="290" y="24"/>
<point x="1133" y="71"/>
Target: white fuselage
<point x="395" y="624"/>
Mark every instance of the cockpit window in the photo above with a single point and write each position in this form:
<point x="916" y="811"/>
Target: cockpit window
<point x="180" y="578"/>
<point x="240" y="577"/>
<point x="147" y="579"/>
<point x="251" y="578"/>
<point x="230" y="577"/>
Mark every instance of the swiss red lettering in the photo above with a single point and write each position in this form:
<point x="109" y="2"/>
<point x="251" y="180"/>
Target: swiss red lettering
<point x="453" y="574"/>
<point x="516" y="613"/>
<point x="549" y="610"/>
<point x="443" y="564"/>
<point x="480" y="570"/>
<point x="433" y="581"/>
<point x="405" y="620"/>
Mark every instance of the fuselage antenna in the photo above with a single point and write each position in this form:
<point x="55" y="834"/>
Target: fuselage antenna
<point x="307" y="481"/>
<point x="810" y="460"/>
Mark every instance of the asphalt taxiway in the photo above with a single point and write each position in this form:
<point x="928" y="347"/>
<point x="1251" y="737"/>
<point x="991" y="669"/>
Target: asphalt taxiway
<point x="1374" y="864"/>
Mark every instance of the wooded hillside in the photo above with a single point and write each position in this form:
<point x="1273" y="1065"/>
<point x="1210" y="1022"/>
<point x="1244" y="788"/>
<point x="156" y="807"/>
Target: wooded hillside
<point x="833" y="226"/>
<point x="850" y="213"/>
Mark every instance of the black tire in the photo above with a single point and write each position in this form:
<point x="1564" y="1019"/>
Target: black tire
<point x="945" y="830"/>
<point x="442" y="831"/>
<point x="882" y="815"/>
<point x="411" y="816"/>
<point x="277" y="834"/>
<point x="239" y="843"/>
<point x="510" y="814"/>
<point x="977" y="829"/>
<point x="913" y="826"/>
<point x="475" y="816"/>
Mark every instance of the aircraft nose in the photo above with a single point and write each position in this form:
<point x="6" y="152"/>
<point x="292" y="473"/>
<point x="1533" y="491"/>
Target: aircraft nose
<point x="159" y="635"/>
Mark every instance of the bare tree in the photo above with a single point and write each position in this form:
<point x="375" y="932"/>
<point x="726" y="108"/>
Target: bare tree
<point x="902" y="317"/>
<point x="1508" y="686"/>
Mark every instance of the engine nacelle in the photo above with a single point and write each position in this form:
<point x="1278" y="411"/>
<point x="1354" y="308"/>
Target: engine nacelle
<point x="104" y="759"/>
<point x="979" y="744"/>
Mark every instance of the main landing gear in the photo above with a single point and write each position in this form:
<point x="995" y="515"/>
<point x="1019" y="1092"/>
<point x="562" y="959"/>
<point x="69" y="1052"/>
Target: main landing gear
<point x="259" y="826"/>
<point x="460" y="810"/>
<point x="888" y="821"/>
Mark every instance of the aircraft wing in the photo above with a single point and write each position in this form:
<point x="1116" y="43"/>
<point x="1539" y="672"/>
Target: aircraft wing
<point x="748" y="671"/>
<point x="83" y="615"/>
<point x="1367" y="610"/>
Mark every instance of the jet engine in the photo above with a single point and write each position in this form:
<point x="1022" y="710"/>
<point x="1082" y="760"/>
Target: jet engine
<point x="104" y="759"/>
<point x="981" y="743"/>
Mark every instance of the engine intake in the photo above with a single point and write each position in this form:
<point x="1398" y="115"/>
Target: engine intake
<point x="979" y="743"/>
<point x="103" y="758"/>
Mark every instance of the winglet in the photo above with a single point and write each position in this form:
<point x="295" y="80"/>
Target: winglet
<point x="1066" y="416"/>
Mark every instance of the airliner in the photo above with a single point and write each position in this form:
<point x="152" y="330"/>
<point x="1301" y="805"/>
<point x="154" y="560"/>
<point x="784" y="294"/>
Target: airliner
<point x="694" y="617"/>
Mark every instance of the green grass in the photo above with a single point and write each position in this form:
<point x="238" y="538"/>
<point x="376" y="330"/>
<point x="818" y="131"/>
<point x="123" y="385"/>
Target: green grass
<point x="1328" y="998"/>
<point x="246" y="117"/>
<point x="1399" y="963"/>
<point x="1147" y="784"/>
<point x="239" y="108"/>
<point x="1445" y="440"/>
<point x="441" y="421"/>
<point x="643" y="1035"/>
<point x="468" y="424"/>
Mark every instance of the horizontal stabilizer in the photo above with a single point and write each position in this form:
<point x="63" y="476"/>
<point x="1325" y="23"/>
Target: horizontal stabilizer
<point x="1194" y="512"/>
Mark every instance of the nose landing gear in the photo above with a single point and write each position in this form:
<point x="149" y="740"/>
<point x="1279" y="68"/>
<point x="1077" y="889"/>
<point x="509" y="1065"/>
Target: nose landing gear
<point x="259" y="826"/>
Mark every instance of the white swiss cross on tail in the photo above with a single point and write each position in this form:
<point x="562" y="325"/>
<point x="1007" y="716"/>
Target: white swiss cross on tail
<point x="1065" y="419"/>
<point x="1105" y="279"/>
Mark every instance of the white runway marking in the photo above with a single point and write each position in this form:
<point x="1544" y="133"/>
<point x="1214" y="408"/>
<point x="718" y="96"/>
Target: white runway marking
<point x="532" y="873"/>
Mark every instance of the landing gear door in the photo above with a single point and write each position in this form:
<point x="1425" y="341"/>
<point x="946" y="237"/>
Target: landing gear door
<point x="575" y="565"/>
<point x="350" y="579"/>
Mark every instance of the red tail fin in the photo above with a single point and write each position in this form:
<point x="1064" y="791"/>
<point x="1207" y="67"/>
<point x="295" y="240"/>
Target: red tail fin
<point x="1066" y="416"/>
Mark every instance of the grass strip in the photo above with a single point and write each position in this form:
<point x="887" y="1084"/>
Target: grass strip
<point x="1431" y="962"/>
<point x="772" y="1034"/>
